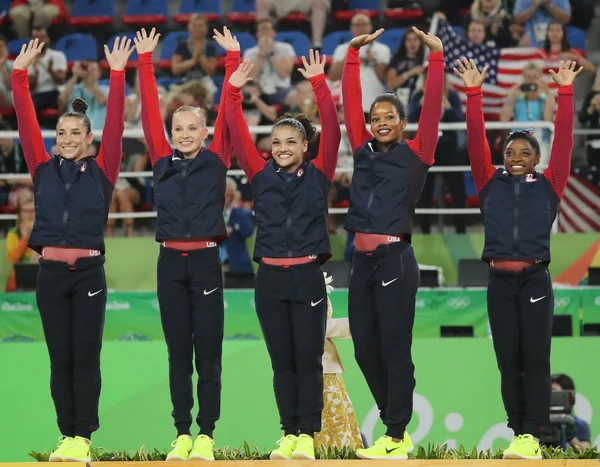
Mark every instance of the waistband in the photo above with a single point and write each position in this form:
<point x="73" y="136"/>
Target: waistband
<point x="191" y="244"/>
<point x="67" y="255"/>
<point x="287" y="262"/>
<point x="382" y="250"/>
<point x="528" y="269"/>
<point x="369" y="242"/>
<point x="514" y="265"/>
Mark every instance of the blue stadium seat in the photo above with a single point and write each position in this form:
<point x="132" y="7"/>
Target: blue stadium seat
<point x="4" y="7"/>
<point x="298" y="40"/>
<point x="14" y="46"/>
<point x="78" y="47"/>
<point x="245" y="39"/>
<point x="133" y="58"/>
<point x="577" y="37"/>
<point x="354" y="6"/>
<point x="88" y="13"/>
<point x="242" y="11"/>
<point x="392" y="38"/>
<point x="333" y="39"/>
<point x="218" y="80"/>
<point x="209" y="8"/>
<point x="168" y="46"/>
<point x="146" y="12"/>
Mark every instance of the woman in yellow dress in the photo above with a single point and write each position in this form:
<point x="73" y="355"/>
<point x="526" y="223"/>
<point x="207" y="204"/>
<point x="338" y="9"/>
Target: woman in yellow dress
<point x="339" y="426"/>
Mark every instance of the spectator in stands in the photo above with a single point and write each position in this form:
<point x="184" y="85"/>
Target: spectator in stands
<point x="41" y="11"/>
<point x="84" y="84"/>
<point x="406" y="66"/>
<point x="537" y="14"/>
<point x="317" y="8"/>
<point x="240" y="226"/>
<point x="129" y="194"/>
<point x="476" y="32"/>
<point x="373" y="62"/>
<point x="5" y="80"/>
<point x="259" y="109"/>
<point x="197" y="57"/>
<point x="304" y="102"/>
<point x="50" y="68"/>
<point x="582" y="434"/>
<point x="17" y="237"/>
<point x="495" y="19"/>
<point x="193" y="94"/>
<point x="12" y="161"/>
<point x="447" y="153"/>
<point x="557" y="48"/>
<point x="273" y="61"/>
<point x="589" y="117"/>
<point x="530" y="101"/>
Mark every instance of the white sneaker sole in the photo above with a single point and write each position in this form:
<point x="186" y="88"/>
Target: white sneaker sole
<point x="277" y="456"/>
<point x="176" y="458"/>
<point x="302" y="456"/>
<point x="381" y="458"/>
<point x="197" y="457"/>
<point x="75" y="459"/>
<point x="514" y="455"/>
<point x="54" y="458"/>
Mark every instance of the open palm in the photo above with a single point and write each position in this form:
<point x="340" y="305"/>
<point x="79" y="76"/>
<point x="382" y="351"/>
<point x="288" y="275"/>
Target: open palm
<point x="122" y="50"/>
<point x="315" y="67"/>
<point x="28" y="53"/>
<point x="566" y="73"/>
<point x="468" y="72"/>
<point x="226" y="40"/>
<point x="241" y="76"/>
<point x="144" y="42"/>
<point x="432" y="42"/>
<point x="365" y="39"/>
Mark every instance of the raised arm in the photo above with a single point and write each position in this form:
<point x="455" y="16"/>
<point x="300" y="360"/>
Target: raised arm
<point x="30" y="133"/>
<point x="329" y="144"/>
<point x="242" y="140"/>
<point x="221" y="143"/>
<point x="111" y="149"/>
<point x="352" y="92"/>
<point x="154" y="130"/>
<point x="426" y="138"/>
<point x="477" y="144"/>
<point x="562" y="145"/>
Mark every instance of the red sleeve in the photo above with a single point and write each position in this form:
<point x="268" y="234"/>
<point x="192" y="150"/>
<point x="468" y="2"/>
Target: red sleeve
<point x="479" y="149"/>
<point x="242" y="140"/>
<point x="329" y="144"/>
<point x="221" y="143"/>
<point x="154" y="130"/>
<point x="426" y="138"/>
<point x="352" y="98"/>
<point x="562" y="145"/>
<point x="29" y="128"/>
<point x="111" y="149"/>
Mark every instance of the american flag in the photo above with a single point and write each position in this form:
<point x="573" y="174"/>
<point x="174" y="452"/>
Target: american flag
<point x="580" y="206"/>
<point x="505" y="67"/>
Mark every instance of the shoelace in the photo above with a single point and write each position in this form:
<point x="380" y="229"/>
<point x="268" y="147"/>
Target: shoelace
<point x="176" y="442"/>
<point x="284" y="439"/>
<point x="63" y="440"/>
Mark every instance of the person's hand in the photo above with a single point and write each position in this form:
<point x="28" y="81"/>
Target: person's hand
<point x="416" y="71"/>
<point x="254" y="95"/>
<point x="446" y="105"/>
<point x="229" y="230"/>
<point x="226" y="40"/>
<point x="315" y="67"/>
<point x="432" y="42"/>
<point x="198" y="53"/>
<point x="122" y="50"/>
<point x="538" y="3"/>
<point x="26" y="227"/>
<point x="514" y="92"/>
<point x="524" y="42"/>
<point x="241" y="76"/>
<point x="441" y="16"/>
<point x="566" y="73"/>
<point x="262" y="45"/>
<point x="365" y="39"/>
<point x="78" y="70"/>
<point x="28" y="54"/>
<point x="595" y="101"/>
<point x="144" y="42"/>
<point x="568" y="56"/>
<point x="468" y="72"/>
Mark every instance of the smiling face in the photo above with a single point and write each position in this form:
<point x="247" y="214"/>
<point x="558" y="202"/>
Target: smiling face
<point x="386" y="123"/>
<point x="72" y="138"/>
<point x="288" y="146"/>
<point x="189" y="132"/>
<point x="520" y="157"/>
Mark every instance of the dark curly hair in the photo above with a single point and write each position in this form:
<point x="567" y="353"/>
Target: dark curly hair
<point x="300" y="122"/>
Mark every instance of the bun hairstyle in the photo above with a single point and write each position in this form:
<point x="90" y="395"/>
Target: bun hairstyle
<point x="300" y="122"/>
<point x="79" y="107"/>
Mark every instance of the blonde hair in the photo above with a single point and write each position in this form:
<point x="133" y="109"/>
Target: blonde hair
<point x="195" y="16"/>
<point x="477" y="12"/>
<point x="195" y="110"/>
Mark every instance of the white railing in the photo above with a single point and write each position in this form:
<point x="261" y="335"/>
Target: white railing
<point x="266" y="129"/>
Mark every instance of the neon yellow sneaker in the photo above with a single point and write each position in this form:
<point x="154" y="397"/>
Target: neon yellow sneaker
<point x="408" y="442"/>
<point x="385" y="449"/>
<point x="305" y="448"/>
<point x="78" y="450"/>
<point x="181" y="448"/>
<point x="64" y="442"/>
<point x="523" y="447"/>
<point x="203" y="449"/>
<point x="285" y="449"/>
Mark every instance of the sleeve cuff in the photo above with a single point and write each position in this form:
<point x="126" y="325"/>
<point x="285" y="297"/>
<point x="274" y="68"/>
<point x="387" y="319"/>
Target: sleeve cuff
<point x="117" y="73"/>
<point x="474" y="91"/>
<point x="317" y="79"/>
<point x="352" y="55"/>
<point x="145" y="58"/>
<point x="233" y="53"/>
<point x="17" y="72"/>
<point x="436" y="56"/>
<point x="566" y="90"/>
